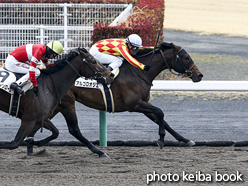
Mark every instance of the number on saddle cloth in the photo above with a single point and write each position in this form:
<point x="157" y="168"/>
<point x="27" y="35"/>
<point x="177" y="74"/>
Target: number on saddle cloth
<point x="6" y="78"/>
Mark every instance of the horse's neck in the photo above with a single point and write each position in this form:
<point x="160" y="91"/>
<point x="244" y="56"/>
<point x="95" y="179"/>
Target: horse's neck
<point x="159" y="63"/>
<point x="65" y="80"/>
<point x="61" y="81"/>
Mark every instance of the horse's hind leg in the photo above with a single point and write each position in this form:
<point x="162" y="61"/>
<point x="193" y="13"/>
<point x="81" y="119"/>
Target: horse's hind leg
<point x="176" y="135"/>
<point x="71" y="119"/>
<point x="147" y="108"/>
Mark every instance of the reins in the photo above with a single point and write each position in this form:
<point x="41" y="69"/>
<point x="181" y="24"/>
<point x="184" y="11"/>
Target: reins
<point x="166" y="63"/>
<point x="162" y="54"/>
<point x="56" y="89"/>
<point x="75" y="70"/>
<point x="98" y="74"/>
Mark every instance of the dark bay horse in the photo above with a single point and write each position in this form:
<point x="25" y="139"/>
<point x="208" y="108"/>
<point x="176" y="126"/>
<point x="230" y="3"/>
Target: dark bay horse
<point x="53" y="85"/>
<point x="131" y="92"/>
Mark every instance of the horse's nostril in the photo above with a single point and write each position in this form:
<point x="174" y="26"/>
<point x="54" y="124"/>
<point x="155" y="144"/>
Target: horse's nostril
<point x="200" y="76"/>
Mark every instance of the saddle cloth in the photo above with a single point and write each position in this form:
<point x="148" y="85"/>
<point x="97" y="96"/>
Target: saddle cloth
<point x="7" y="78"/>
<point x="105" y="90"/>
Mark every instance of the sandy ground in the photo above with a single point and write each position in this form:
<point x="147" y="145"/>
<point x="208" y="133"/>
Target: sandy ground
<point x="126" y="166"/>
<point x="227" y="17"/>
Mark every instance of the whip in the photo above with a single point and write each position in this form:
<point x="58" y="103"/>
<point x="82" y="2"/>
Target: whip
<point x="155" y="47"/>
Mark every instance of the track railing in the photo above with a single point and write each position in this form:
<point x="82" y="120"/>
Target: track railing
<point x="169" y="85"/>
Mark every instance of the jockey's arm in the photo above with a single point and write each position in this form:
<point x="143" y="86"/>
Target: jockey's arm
<point x="125" y="53"/>
<point x="47" y="62"/>
<point x="32" y="67"/>
<point x="36" y="57"/>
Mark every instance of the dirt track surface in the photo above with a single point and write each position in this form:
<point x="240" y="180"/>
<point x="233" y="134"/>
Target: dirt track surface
<point x="77" y="166"/>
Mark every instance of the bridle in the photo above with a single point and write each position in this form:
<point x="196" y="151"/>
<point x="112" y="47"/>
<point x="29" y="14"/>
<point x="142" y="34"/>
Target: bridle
<point x="97" y="73"/>
<point x="186" y="69"/>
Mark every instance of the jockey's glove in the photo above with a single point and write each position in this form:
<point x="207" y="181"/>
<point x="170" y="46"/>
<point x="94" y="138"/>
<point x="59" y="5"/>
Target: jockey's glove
<point x="36" y="91"/>
<point x="147" y="67"/>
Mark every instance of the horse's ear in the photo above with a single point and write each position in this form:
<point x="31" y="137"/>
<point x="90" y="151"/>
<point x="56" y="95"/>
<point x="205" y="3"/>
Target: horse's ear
<point x="82" y="51"/>
<point x="173" y="45"/>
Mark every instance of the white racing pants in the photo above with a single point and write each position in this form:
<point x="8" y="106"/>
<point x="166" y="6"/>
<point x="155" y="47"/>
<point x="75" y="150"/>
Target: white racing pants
<point x="114" y="61"/>
<point x="13" y="65"/>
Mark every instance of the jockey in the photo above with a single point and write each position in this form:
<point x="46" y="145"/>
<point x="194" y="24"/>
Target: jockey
<point x="25" y="58"/>
<point x="111" y="51"/>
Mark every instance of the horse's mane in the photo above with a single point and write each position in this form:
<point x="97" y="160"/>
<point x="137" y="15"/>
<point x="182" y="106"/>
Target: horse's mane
<point x="143" y="51"/>
<point x="59" y="64"/>
<point x="163" y="46"/>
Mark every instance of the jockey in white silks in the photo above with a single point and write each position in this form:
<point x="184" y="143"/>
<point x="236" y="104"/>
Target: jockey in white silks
<point x="112" y="52"/>
<point x="25" y="58"/>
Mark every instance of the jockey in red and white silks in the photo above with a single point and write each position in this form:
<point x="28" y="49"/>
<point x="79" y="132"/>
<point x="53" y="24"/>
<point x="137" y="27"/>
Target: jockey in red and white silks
<point x="25" y="58"/>
<point x="26" y="53"/>
<point x="111" y="51"/>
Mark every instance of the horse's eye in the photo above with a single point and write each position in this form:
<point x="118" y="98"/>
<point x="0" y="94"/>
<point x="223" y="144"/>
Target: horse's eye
<point x="187" y="58"/>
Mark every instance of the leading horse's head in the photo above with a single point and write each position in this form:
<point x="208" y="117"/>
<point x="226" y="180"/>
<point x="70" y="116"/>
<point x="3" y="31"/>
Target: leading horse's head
<point x="185" y="65"/>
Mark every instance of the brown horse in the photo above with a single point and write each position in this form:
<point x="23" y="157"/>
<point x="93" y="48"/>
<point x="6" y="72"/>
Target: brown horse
<point x="53" y="85"/>
<point x="131" y="92"/>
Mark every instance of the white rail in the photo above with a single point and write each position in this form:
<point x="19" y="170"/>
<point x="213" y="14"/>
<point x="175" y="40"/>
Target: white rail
<point x="169" y="85"/>
<point x="72" y="24"/>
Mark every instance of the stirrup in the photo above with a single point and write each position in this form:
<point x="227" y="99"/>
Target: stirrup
<point x="112" y="76"/>
<point x="17" y="88"/>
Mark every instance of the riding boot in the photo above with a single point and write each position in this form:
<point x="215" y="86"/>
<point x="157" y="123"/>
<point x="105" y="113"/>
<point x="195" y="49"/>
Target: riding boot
<point x="17" y="88"/>
<point x="110" y="68"/>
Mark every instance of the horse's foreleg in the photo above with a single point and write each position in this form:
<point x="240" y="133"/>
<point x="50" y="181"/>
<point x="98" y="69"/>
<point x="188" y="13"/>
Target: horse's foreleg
<point x="176" y="135"/>
<point x="32" y="133"/>
<point x="71" y="119"/>
<point x="23" y="131"/>
<point x="147" y="108"/>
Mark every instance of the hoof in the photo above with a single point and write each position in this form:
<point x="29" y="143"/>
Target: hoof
<point x="160" y="144"/>
<point x="29" y="139"/>
<point x="104" y="155"/>
<point x="190" y="143"/>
